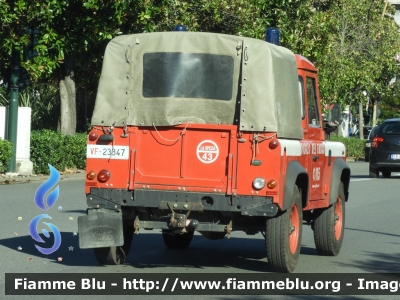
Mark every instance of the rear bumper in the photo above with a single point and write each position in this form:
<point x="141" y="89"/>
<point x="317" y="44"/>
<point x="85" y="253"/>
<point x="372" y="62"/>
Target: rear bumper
<point x="388" y="166"/>
<point x="182" y="201"/>
<point x="381" y="159"/>
<point x="103" y="225"/>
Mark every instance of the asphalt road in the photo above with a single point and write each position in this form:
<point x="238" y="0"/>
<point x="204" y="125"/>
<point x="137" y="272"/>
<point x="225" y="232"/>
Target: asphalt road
<point x="371" y="242"/>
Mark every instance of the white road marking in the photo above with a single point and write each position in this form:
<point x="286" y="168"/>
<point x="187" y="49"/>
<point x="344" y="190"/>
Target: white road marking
<point x="362" y="179"/>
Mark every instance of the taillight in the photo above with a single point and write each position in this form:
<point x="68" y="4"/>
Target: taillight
<point x="273" y="144"/>
<point x="91" y="175"/>
<point x="375" y="141"/>
<point x="103" y="176"/>
<point x="93" y="136"/>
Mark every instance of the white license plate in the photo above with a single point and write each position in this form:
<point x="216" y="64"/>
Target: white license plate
<point x="107" y="152"/>
<point x="395" y="156"/>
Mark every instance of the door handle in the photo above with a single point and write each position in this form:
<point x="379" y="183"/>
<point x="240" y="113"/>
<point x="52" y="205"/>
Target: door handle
<point x="314" y="158"/>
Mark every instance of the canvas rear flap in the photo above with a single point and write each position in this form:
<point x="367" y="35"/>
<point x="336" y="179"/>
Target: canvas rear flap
<point x="120" y="97"/>
<point x="268" y="99"/>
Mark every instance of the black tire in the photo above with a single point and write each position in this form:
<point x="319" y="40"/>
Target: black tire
<point x="115" y="255"/>
<point x="283" y="238"/>
<point x="386" y="174"/>
<point x="366" y="156"/>
<point x="373" y="172"/>
<point x="177" y="241"/>
<point x="213" y="235"/>
<point x="329" y="226"/>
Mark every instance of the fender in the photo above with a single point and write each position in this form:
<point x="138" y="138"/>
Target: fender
<point x="340" y="172"/>
<point x="293" y="171"/>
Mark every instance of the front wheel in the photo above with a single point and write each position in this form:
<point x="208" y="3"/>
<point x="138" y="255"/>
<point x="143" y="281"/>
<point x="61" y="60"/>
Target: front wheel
<point x="283" y="236"/>
<point x="329" y="226"/>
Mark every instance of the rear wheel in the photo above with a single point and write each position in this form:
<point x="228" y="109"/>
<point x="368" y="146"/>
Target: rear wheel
<point x="373" y="172"/>
<point x="329" y="226"/>
<point x="283" y="236"/>
<point x="177" y="241"/>
<point x="115" y="255"/>
<point x="386" y="174"/>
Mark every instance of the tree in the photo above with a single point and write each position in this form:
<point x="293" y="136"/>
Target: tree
<point x="390" y="104"/>
<point x="69" y="30"/>
<point x="345" y="39"/>
<point x="352" y="48"/>
<point x="74" y="33"/>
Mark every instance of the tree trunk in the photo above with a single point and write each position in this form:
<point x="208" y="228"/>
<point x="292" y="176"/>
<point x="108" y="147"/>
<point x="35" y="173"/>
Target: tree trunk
<point x="361" y="121"/>
<point x="67" y="96"/>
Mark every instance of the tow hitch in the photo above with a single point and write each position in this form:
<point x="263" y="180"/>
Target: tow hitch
<point x="181" y="223"/>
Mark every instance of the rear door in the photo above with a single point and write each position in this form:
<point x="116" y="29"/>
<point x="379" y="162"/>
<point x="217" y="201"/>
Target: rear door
<point x="186" y="157"/>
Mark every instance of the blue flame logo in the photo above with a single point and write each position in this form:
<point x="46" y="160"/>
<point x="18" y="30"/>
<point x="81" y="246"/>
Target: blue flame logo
<point x="40" y="201"/>
<point x="45" y="187"/>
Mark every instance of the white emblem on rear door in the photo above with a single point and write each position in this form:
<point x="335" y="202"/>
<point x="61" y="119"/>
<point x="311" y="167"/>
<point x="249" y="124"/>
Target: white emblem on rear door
<point x="207" y="151"/>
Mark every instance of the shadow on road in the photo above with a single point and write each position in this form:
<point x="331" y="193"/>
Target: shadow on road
<point x="370" y="231"/>
<point x="77" y="211"/>
<point x="148" y="251"/>
<point x="308" y="251"/>
<point x="74" y="256"/>
<point x="377" y="263"/>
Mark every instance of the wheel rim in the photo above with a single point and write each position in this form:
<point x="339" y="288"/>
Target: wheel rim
<point x="294" y="229"/>
<point x="338" y="218"/>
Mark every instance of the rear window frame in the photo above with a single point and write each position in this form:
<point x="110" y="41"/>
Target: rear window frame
<point x="216" y="82"/>
<point x="384" y="125"/>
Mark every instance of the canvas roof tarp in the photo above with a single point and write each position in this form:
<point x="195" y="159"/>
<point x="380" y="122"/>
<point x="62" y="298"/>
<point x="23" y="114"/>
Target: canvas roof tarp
<point x="265" y="93"/>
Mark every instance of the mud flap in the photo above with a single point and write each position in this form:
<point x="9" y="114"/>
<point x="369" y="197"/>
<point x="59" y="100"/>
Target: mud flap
<point x="100" y="228"/>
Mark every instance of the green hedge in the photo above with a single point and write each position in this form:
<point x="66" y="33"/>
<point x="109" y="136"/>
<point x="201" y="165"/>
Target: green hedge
<point x="61" y="151"/>
<point x="354" y="146"/>
<point x="6" y="152"/>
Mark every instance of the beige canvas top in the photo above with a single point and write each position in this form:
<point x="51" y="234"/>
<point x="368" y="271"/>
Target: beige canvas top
<point x="265" y="93"/>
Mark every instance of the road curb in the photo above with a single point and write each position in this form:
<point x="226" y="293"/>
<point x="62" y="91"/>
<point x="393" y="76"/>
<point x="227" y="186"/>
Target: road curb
<point x="5" y="180"/>
<point x="13" y="182"/>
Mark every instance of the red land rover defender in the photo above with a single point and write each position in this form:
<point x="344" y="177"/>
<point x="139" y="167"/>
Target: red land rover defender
<point x="211" y="133"/>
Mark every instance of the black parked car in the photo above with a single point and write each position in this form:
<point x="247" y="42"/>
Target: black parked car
<point x="385" y="149"/>
<point x="367" y="146"/>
